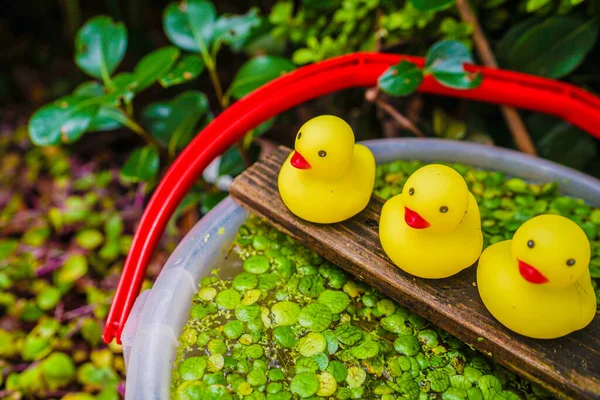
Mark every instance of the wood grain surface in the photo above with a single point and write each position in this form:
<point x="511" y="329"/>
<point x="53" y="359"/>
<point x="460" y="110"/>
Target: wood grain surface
<point x="568" y="367"/>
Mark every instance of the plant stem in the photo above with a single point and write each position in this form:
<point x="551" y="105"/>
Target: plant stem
<point x="372" y="95"/>
<point x="216" y="84"/>
<point x="134" y="126"/>
<point x="72" y="15"/>
<point x="129" y="108"/>
<point x="511" y="116"/>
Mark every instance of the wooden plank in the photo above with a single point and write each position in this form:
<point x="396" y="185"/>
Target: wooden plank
<point x="569" y="367"/>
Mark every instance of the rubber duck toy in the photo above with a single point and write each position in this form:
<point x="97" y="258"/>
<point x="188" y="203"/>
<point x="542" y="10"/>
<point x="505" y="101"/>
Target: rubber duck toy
<point x="327" y="178"/>
<point x="538" y="284"/>
<point x="433" y="228"/>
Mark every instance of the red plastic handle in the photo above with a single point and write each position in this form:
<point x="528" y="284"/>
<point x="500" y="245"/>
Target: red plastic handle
<point x="568" y="102"/>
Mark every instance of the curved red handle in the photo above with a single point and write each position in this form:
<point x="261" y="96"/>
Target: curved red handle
<point x="568" y="102"/>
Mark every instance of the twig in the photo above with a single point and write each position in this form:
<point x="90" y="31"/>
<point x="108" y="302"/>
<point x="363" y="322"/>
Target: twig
<point x="372" y="95"/>
<point x="513" y="120"/>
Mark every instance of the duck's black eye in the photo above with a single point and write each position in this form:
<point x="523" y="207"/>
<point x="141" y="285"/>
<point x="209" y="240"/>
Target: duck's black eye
<point x="299" y="135"/>
<point x="570" y="262"/>
<point x="530" y="244"/>
<point x="443" y="209"/>
<point x="411" y="191"/>
<point x="322" y="153"/>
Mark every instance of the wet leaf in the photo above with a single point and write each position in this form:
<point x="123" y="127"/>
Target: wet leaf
<point x="187" y="69"/>
<point x="257" y="72"/>
<point x="190" y="25"/>
<point x="63" y="121"/>
<point x="154" y="66"/>
<point x="174" y="123"/>
<point x="100" y="46"/>
<point x="401" y="79"/>
<point x="142" y="165"/>
<point x="235" y="30"/>
<point x="445" y="61"/>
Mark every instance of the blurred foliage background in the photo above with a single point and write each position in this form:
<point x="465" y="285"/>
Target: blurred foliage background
<point x="85" y="139"/>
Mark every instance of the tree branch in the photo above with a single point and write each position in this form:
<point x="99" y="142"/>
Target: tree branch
<point x="511" y="116"/>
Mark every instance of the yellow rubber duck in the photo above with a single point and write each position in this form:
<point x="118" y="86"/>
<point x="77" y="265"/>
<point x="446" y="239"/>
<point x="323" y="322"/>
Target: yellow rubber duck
<point x="538" y="284"/>
<point x="433" y="228"/>
<point x="327" y="178"/>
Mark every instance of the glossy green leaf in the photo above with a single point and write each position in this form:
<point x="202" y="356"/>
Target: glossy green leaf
<point x="89" y="89"/>
<point x="100" y="46"/>
<point x="447" y="56"/>
<point x="459" y="81"/>
<point x="123" y="86"/>
<point x="104" y="120"/>
<point x="154" y="66"/>
<point x="63" y="121"/>
<point x="142" y="165"/>
<point x="188" y="68"/>
<point x="190" y="24"/>
<point x="401" y="79"/>
<point x="174" y="123"/>
<point x="258" y="71"/>
<point x="553" y="48"/>
<point x="235" y="30"/>
<point x="431" y="5"/>
<point x="445" y="61"/>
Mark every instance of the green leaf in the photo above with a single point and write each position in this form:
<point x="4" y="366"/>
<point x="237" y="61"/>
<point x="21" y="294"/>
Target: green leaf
<point x="431" y="5"/>
<point x="74" y="268"/>
<point x="142" y="165"/>
<point x="63" y="121"/>
<point x="231" y="162"/>
<point x="401" y="79"/>
<point x="505" y="45"/>
<point x="445" y="61"/>
<point x="123" y="86"/>
<point x="89" y="89"/>
<point x="154" y="66"/>
<point x="459" y="81"/>
<point x="174" y="123"/>
<point x="534" y="5"/>
<point x="190" y="24"/>
<point x="447" y="56"/>
<point x="58" y="370"/>
<point x="561" y="142"/>
<point x="188" y="68"/>
<point x="235" y="30"/>
<point x="258" y="71"/>
<point x="100" y="46"/>
<point x="103" y="121"/>
<point x="553" y="48"/>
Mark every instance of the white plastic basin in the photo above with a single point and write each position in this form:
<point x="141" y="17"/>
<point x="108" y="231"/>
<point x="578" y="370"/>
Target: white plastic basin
<point x="158" y="316"/>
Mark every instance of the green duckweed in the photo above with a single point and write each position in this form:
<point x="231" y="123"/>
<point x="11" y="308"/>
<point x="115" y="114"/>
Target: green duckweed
<point x="290" y="325"/>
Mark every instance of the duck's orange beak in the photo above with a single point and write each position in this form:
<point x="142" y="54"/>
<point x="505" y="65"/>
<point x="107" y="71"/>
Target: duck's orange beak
<point x="414" y="220"/>
<point x="299" y="162"/>
<point x="530" y="274"/>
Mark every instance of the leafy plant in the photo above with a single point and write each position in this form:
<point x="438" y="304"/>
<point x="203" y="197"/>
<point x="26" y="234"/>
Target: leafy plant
<point x="107" y="103"/>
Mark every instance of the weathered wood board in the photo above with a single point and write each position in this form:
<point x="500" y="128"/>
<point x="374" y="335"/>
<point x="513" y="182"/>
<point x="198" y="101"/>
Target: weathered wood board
<point x="569" y="367"/>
